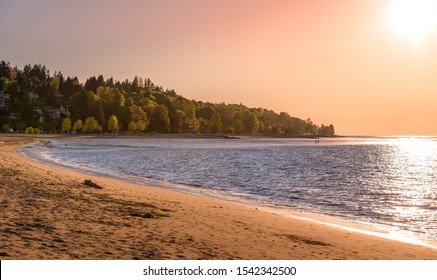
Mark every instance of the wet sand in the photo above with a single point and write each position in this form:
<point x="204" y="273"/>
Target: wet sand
<point x="48" y="213"/>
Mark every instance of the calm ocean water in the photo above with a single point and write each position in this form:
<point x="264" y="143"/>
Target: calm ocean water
<point x="390" y="183"/>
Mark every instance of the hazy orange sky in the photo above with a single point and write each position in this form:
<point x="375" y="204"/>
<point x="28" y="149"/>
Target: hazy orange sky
<point x="336" y="61"/>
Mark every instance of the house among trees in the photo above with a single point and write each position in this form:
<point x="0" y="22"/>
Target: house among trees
<point x="56" y="113"/>
<point x="40" y="114"/>
<point x="15" y="116"/>
<point x="4" y="98"/>
<point x="33" y="95"/>
<point x="53" y="113"/>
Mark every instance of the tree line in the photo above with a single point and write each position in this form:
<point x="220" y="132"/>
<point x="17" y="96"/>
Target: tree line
<point x="32" y="98"/>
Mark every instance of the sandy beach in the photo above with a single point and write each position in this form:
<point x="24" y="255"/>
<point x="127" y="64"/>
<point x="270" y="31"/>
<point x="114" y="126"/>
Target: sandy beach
<point x="48" y="213"/>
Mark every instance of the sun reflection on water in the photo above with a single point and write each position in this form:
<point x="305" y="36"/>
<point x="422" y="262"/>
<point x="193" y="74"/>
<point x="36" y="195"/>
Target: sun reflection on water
<point x="414" y="167"/>
<point x="416" y="148"/>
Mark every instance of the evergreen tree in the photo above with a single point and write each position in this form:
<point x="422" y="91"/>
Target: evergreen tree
<point x="84" y="104"/>
<point x="5" y="69"/>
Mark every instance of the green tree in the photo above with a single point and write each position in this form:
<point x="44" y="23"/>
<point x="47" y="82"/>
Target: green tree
<point x="132" y="127"/>
<point x="20" y="126"/>
<point x="215" y="123"/>
<point x="310" y="127"/>
<point x="29" y="130"/>
<point x="112" y="99"/>
<point x="5" y="128"/>
<point x="99" y="113"/>
<point x="113" y="124"/>
<point x="129" y="102"/>
<point x="326" y="130"/>
<point x="77" y="126"/>
<point x="203" y="125"/>
<point x="5" y="69"/>
<point x="84" y="104"/>
<point x="66" y="125"/>
<point x="205" y="111"/>
<point x="161" y="119"/>
<point x="124" y="118"/>
<point x="137" y="113"/>
<point x="139" y="117"/>
<point x="182" y="121"/>
<point x="55" y="82"/>
<point x="250" y="121"/>
<point x="238" y="126"/>
<point x="91" y="84"/>
<point x="229" y="114"/>
<point x="4" y="82"/>
<point x="193" y="125"/>
<point x="70" y="87"/>
<point x="141" y="125"/>
<point x="331" y="130"/>
<point x="13" y="87"/>
<point x="91" y="125"/>
<point x="135" y="84"/>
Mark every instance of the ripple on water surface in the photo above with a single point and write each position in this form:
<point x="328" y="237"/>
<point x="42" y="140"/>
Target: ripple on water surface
<point x="390" y="182"/>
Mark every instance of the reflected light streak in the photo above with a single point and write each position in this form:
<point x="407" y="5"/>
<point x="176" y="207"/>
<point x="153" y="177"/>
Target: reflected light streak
<point x="415" y="147"/>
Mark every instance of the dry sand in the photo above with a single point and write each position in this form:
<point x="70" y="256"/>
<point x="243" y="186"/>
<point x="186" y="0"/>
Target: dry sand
<point x="47" y="213"/>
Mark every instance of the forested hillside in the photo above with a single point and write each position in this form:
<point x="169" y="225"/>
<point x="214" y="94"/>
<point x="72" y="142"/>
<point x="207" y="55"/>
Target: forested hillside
<point x="32" y="100"/>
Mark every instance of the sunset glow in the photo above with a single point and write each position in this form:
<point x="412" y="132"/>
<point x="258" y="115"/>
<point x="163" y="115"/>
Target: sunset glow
<point x="414" y="19"/>
<point x="368" y="67"/>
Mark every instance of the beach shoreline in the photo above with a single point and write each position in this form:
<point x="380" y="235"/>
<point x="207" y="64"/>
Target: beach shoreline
<point x="47" y="213"/>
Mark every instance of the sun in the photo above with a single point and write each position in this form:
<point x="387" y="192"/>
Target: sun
<point x="413" y="19"/>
